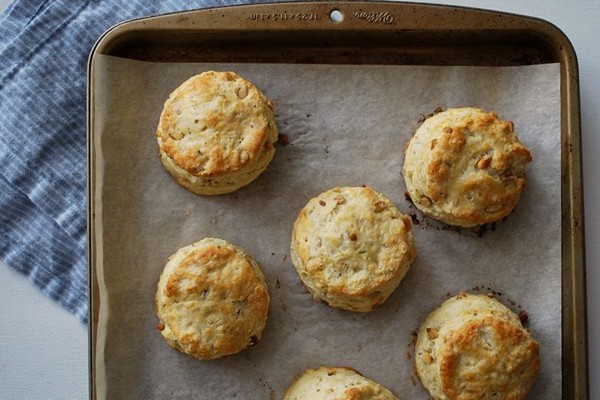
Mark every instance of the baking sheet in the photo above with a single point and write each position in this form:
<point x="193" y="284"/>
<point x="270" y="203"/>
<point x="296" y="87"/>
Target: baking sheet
<point x="347" y="125"/>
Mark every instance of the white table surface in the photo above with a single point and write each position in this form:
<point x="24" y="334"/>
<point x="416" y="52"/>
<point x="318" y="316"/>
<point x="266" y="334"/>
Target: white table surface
<point x="44" y="349"/>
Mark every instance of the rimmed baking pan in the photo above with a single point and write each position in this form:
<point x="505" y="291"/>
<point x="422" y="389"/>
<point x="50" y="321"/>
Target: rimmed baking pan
<point x="323" y="36"/>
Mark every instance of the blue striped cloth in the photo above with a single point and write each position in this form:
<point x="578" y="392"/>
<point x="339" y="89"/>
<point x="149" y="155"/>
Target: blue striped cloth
<point x="44" y="47"/>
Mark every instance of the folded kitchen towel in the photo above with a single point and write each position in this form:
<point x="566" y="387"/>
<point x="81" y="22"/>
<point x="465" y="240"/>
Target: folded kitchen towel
<point x="44" y="48"/>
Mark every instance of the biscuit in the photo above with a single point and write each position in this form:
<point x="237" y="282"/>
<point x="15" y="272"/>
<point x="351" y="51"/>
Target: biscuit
<point x="465" y="167"/>
<point x="216" y="133"/>
<point x="474" y="347"/>
<point x="352" y="247"/>
<point x="212" y="300"/>
<point x="336" y="383"/>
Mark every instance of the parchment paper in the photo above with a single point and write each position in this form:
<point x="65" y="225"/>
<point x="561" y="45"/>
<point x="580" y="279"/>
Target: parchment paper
<point x="347" y="126"/>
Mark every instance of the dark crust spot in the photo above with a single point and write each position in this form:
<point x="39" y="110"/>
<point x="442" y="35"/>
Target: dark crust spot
<point x="482" y="230"/>
<point x="283" y="139"/>
<point x="524" y="317"/>
<point x="422" y="118"/>
<point x="253" y="341"/>
<point x="322" y="203"/>
<point x="414" y="219"/>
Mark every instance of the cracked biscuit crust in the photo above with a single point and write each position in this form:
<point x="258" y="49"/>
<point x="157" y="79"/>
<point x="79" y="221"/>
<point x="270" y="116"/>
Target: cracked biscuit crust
<point x="216" y="133"/>
<point x="465" y="167"/>
<point x="336" y="383"/>
<point x="474" y="347"/>
<point x="212" y="300"/>
<point x="352" y="247"/>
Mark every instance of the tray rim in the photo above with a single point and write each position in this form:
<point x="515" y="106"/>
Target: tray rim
<point x="574" y="308"/>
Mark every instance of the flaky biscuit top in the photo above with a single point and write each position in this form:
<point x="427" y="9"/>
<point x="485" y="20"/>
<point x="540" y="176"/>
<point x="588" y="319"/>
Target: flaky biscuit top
<point x="474" y="347"/>
<point x="350" y="244"/>
<point x="336" y="383"/>
<point x="465" y="167"/>
<point x="212" y="300"/>
<point x="216" y="124"/>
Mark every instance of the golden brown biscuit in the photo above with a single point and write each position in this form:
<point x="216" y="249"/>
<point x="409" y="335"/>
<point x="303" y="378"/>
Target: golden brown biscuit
<point x="352" y="247"/>
<point x="336" y="383"/>
<point x="212" y="300"/>
<point x="216" y="133"/>
<point x="465" y="167"/>
<point x="474" y="347"/>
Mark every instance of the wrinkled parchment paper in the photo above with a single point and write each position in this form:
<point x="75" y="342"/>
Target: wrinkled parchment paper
<point x="346" y="125"/>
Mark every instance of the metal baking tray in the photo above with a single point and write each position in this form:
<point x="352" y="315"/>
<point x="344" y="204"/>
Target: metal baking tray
<point x="372" y="33"/>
